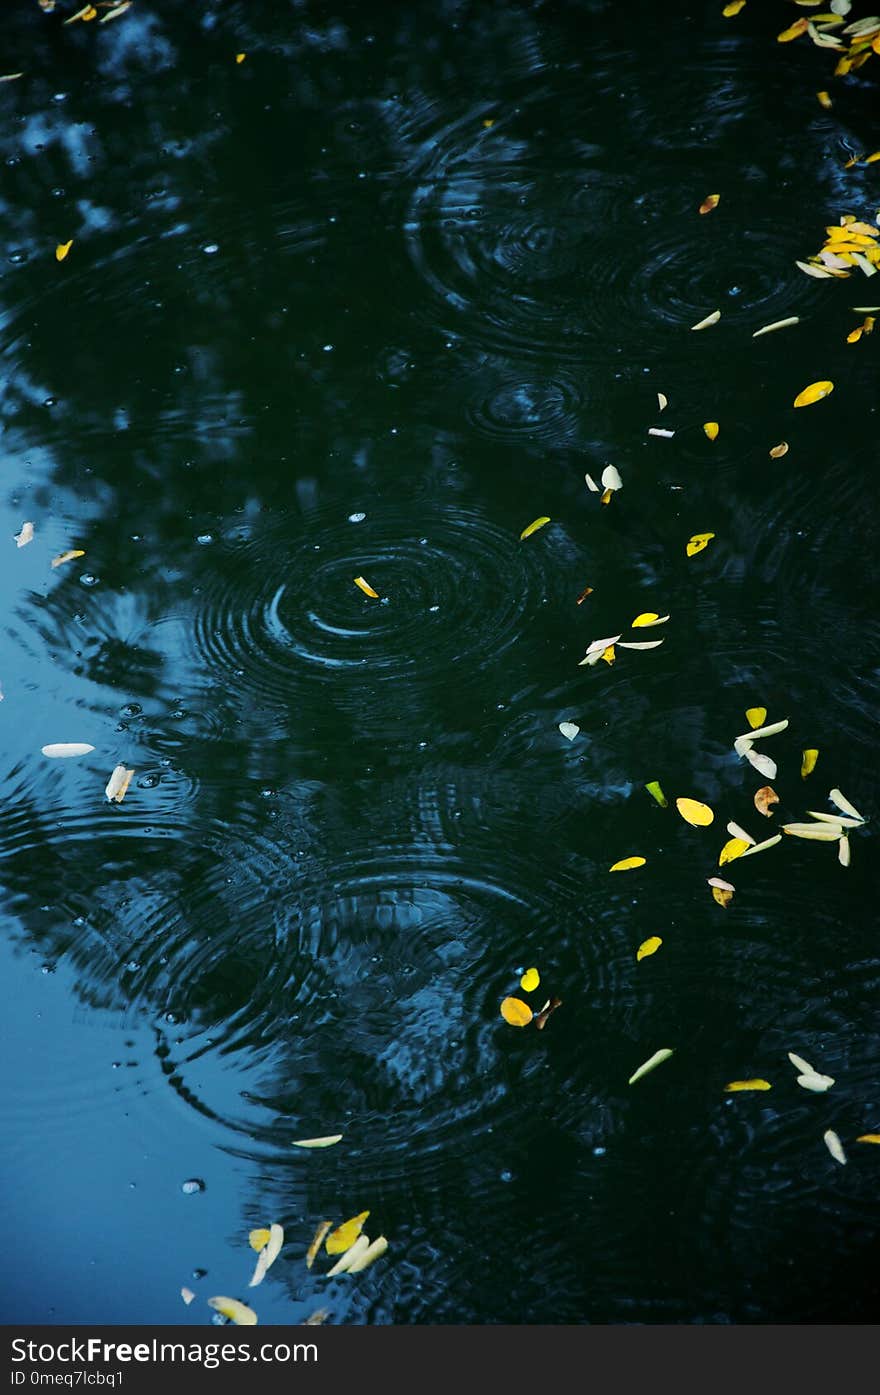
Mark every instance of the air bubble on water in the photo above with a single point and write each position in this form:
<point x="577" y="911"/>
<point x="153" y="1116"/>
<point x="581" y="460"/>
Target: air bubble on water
<point x="356" y="517"/>
<point x="205" y="539"/>
<point x="148" y="782"/>
<point x="734" y="290"/>
<point x="132" y="709"/>
<point x="598" y="1151"/>
<point x="210" y="248"/>
<point x="433" y="608"/>
<point x="506" y="1176"/>
<point x="87" y="579"/>
<point x="328" y="348"/>
<point x="191" y="1186"/>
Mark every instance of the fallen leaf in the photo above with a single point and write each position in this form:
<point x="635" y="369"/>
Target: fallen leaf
<point x="61" y="750"/>
<point x="239" y="1313"/>
<point x="818" y="1084"/>
<point x="824" y="100"/>
<point x="587" y="591"/>
<point x="344" y="1263"/>
<point x="268" y="1254"/>
<point x="733" y="8"/>
<point x="868" y="1138"/>
<point x="736" y="831"/>
<point x="25" y="536"/>
<point x="777" y="324"/>
<point x="371" y="1253"/>
<point x="516" y="1012"/>
<point x="366" y="587"/>
<point x="259" y="1239"/>
<point x="709" y="320"/>
<point x="814" y="393"/>
<point x="755" y="716"/>
<point x="118" y="784"/>
<point x="763" y="764"/>
<point x="843" y="850"/>
<point x="547" y="1012"/>
<point x="817" y="832"/>
<point x="834" y="1146"/>
<point x="839" y="798"/>
<point x="711" y="429"/>
<point x="778" y="451"/>
<point x="651" y="1064"/>
<point x="67" y="557"/>
<point x="747" y="1085"/>
<point x="344" y="1236"/>
<point x="762" y="847"/>
<point x="693" y="812"/>
<point x="187" y="1295"/>
<point x="62" y="250"/>
<point x="530" y="980"/>
<point x="764" y="798"/>
<point x="326" y="1142"/>
<point x="662" y="401"/>
<point x="733" y="848"/>
<point x="710" y="202"/>
<point x="648" y="947"/>
<point x="647" y="619"/>
<point x="626" y="863"/>
<point x="533" y="528"/>
<point x="698" y="542"/>
<point x="312" y="1251"/>
<point x="569" y="729"/>
<point x="808" y="762"/>
<point x="653" y="788"/>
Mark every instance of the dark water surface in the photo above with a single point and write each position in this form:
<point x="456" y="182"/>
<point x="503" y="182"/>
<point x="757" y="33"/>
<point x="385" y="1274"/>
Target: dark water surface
<point x="422" y="266"/>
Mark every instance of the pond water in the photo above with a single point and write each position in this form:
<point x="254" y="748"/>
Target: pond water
<point x="365" y="304"/>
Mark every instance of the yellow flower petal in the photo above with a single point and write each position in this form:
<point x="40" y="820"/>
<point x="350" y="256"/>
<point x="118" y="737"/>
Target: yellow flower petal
<point x="733" y="848"/>
<point x="814" y="393"/>
<point x="626" y="863"/>
<point x="516" y="1012"/>
<point x="259" y="1239"/>
<point x="748" y="1085"/>
<point x="344" y="1236"/>
<point x="778" y="451"/>
<point x="711" y="429"/>
<point x="808" y="763"/>
<point x="62" y="250"/>
<point x="710" y="202"/>
<point x="533" y="528"/>
<point x="697" y="543"/>
<point x="693" y="812"/>
<point x="366" y="587"/>
<point x="756" y="716"/>
<point x="530" y="980"/>
<point x="648" y="947"/>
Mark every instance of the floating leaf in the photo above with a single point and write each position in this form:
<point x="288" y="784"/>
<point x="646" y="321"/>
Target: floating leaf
<point x="733" y="848"/>
<point x="693" y="812"/>
<point x="762" y="847"/>
<point x="325" y="1142"/>
<point x="711" y="429"/>
<point x="756" y="716"/>
<point x="259" y="1239"/>
<point x="626" y="863"/>
<point x="67" y="557"/>
<point x="371" y="1253"/>
<point x="733" y="8"/>
<point x="814" y="393"/>
<point x="516" y="1012"/>
<point x="738" y="1085"/>
<point x="764" y="798"/>
<point x="25" y="536"/>
<point x="652" y="1063"/>
<point x="808" y="762"/>
<point x="546" y="1012"/>
<point x="344" y="1263"/>
<point x="817" y="832"/>
<point x="648" y="947"/>
<point x="268" y="1254"/>
<point x="868" y="1138"/>
<point x="530" y="980"/>
<point x="709" y="320"/>
<point x="698" y="542"/>
<point x="569" y="729"/>
<point x="118" y="784"/>
<point x="653" y="788"/>
<point x="61" y="750"/>
<point x="834" y="1146"/>
<point x="239" y="1313"/>
<point x="763" y="764"/>
<point x="777" y="324"/>
<point x="843" y="850"/>
<point x="818" y="1084"/>
<point x="312" y="1251"/>
<point x="647" y="619"/>
<point x="839" y="798"/>
<point x="533" y="527"/>
<point x="62" y="250"/>
<point x="710" y="202"/>
<point x="344" y="1236"/>
<point x="777" y="452"/>
<point x="366" y="587"/>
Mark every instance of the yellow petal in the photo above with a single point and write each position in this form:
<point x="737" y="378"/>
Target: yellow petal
<point x="872" y="159"/>
<point x="733" y="848"/>
<point x="868" y="1138"/>
<point x="653" y="788"/>
<point x="814" y="393"/>
<point x="780" y="450"/>
<point x="692" y="811"/>
<point x="67" y="556"/>
<point x="793" y="31"/>
<point x="516" y="1012"/>
<point x="723" y="895"/>
<point x="366" y="587"/>
<point x="711" y="429"/>
<point x="824" y="100"/>
<point x="697" y="543"/>
<point x="733" y="8"/>
<point x="259" y="1239"/>
<point x="765" y="798"/>
<point x="533" y="528"/>
<point x="808" y="763"/>
<point x="609" y="655"/>
<point x="530" y="980"/>
<point x="648" y="947"/>
<point x="344" y="1236"/>
<point x="312" y="1251"/>
<point x="240" y="57"/>
<point x="756" y="716"/>
<point x="647" y="617"/>
<point x="855" y="335"/>
<point x="626" y="863"/>
<point x="748" y="1085"/>
<point x="652" y="1063"/>
<point x="239" y="1313"/>
<point x="710" y="202"/>
<point x="606" y="497"/>
<point x="62" y="250"/>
